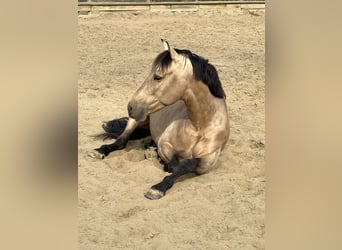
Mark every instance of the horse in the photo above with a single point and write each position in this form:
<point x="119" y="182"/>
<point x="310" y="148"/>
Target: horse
<point x="182" y="105"/>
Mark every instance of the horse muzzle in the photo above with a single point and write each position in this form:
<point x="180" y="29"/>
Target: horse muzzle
<point x="136" y="111"/>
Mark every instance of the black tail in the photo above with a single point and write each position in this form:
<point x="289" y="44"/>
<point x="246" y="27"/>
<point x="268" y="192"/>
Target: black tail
<point x="114" y="128"/>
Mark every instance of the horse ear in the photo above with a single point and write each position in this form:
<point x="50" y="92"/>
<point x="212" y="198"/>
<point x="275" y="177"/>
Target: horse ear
<point x="165" y="43"/>
<point x="174" y="55"/>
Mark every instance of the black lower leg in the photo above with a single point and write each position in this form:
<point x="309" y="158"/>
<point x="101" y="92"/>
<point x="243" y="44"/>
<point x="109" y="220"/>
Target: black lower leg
<point x="171" y="166"/>
<point x="184" y="167"/>
<point x="120" y="143"/>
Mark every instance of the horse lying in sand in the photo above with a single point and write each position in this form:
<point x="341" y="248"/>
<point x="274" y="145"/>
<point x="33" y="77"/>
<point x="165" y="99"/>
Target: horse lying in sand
<point x="182" y="105"/>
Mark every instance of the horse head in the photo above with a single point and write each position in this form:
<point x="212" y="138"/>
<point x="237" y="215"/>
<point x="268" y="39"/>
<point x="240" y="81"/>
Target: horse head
<point x="166" y="84"/>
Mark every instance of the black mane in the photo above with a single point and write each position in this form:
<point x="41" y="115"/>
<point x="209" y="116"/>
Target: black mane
<point x="202" y="70"/>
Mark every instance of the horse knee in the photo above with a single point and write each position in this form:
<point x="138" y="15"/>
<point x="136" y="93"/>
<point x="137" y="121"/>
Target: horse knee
<point x="166" y="151"/>
<point x="207" y="162"/>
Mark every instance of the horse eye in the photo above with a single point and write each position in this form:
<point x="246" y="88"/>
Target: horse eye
<point x="157" y="78"/>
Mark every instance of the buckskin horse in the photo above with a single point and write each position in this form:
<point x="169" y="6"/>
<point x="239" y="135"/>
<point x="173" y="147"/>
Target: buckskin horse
<point x="182" y="105"/>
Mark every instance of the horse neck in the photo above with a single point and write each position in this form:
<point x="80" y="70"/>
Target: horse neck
<point x="200" y="104"/>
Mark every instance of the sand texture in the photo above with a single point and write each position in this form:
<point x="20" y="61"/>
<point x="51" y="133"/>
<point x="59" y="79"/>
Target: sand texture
<point x="223" y="209"/>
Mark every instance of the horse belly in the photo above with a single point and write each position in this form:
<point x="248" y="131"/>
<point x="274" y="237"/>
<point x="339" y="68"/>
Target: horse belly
<point x="161" y="120"/>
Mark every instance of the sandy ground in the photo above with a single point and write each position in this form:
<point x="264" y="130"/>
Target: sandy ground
<point x="223" y="209"/>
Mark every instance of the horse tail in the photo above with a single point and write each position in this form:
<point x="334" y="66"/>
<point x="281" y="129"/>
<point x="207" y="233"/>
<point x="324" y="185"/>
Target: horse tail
<point x="114" y="128"/>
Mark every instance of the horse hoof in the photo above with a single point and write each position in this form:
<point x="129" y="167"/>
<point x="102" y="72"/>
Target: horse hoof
<point x="154" y="194"/>
<point x="96" y="154"/>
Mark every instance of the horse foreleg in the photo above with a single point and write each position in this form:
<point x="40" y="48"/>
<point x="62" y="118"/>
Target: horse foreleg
<point x="196" y="165"/>
<point x="186" y="166"/>
<point x="120" y="143"/>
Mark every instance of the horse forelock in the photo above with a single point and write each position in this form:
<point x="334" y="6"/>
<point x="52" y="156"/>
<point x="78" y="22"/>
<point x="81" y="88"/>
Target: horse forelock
<point x="202" y="70"/>
<point x="162" y="61"/>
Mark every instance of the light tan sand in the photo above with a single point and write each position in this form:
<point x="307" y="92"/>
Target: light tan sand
<point x="223" y="209"/>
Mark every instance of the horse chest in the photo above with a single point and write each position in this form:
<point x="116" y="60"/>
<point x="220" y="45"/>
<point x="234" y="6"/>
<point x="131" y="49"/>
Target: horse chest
<point x="167" y="122"/>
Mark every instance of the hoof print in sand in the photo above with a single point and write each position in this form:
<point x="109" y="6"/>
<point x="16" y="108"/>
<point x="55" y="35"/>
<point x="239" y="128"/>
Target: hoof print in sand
<point x="134" y="156"/>
<point x="150" y="153"/>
